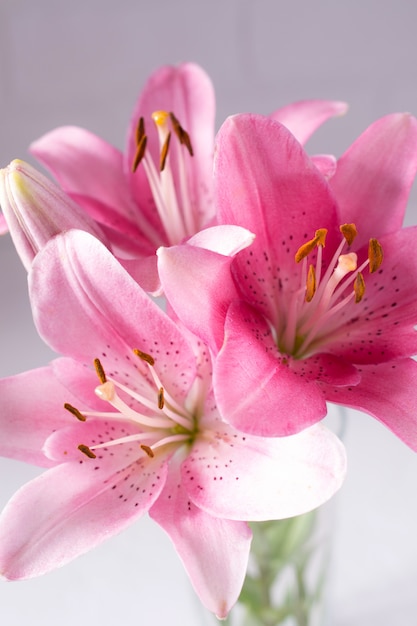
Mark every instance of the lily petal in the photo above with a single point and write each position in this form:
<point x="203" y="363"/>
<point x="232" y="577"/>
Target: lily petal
<point x="214" y="551"/>
<point x="374" y="177"/>
<point x="31" y="408"/>
<point x="388" y="392"/>
<point x="241" y="476"/>
<point x="303" y="118"/>
<point x="255" y="389"/>
<point x="59" y="515"/>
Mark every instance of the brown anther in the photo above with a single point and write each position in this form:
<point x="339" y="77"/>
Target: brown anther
<point x="310" y="284"/>
<point x="164" y="153"/>
<point x="349" y="232"/>
<point x="148" y="450"/>
<point x="75" y="412"/>
<point x="86" y="450"/>
<point x="182" y="134"/>
<point x="375" y="255"/>
<point x="100" y="371"/>
<point x="306" y="248"/>
<point x="140" y="130"/>
<point x="359" y="287"/>
<point x="144" y="356"/>
<point x="140" y="153"/>
<point x="161" y="399"/>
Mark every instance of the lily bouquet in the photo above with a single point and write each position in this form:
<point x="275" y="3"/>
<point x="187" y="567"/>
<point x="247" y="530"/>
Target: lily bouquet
<point x="287" y="282"/>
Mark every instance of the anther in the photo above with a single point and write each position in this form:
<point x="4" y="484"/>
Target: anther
<point x="86" y="450"/>
<point x="164" y="153"/>
<point x="182" y="134"/>
<point x="318" y="240"/>
<point x="375" y="255"/>
<point x="359" y="287"/>
<point x="349" y="232"/>
<point x="144" y="356"/>
<point x="311" y="284"/>
<point x="140" y="130"/>
<point x="161" y="399"/>
<point x="148" y="450"/>
<point x="100" y="371"/>
<point x="140" y="152"/>
<point x="75" y="412"/>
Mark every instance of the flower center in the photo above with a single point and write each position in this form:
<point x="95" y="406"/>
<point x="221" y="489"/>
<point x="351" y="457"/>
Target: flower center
<point x="315" y="309"/>
<point x="169" y="182"/>
<point x="158" y="418"/>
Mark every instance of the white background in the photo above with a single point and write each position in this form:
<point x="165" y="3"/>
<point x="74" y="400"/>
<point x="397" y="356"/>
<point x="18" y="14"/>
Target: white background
<point x="83" y="62"/>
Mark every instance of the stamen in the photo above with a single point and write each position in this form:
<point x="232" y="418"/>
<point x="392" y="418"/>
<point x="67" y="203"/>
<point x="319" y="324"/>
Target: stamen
<point x="349" y="232"/>
<point x="75" y="412"/>
<point x="311" y="284"/>
<point x="161" y="399"/>
<point x="359" y="287"/>
<point x="87" y="451"/>
<point x="375" y="255"/>
<point x="318" y="240"/>
<point x="100" y="371"/>
<point x="182" y="134"/>
<point x="144" y="356"/>
<point x="148" y="450"/>
<point x="164" y="153"/>
<point x="140" y="152"/>
<point x="140" y="130"/>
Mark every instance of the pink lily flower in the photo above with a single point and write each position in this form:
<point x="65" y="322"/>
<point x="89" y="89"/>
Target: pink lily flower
<point x="159" y="191"/>
<point x="139" y="434"/>
<point x="310" y="312"/>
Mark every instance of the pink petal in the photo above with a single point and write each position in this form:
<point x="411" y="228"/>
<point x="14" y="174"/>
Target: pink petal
<point x="226" y="240"/>
<point x="86" y="306"/>
<point x="374" y="176"/>
<point x="86" y="165"/>
<point x="31" y="408"/>
<point x="303" y="118"/>
<point x="73" y="508"/>
<point x="256" y="391"/>
<point x="388" y="392"/>
<point x="3" y="225"/>
<point x="187" y="91"/>
<point x="214" y="551"/>
<point x="265" y="182"/>
<point x="325" y="163"/>
<point x="239" y="476"/>
<point x="199" y="287"/>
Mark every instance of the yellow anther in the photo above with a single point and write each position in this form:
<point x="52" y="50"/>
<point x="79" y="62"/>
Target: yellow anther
<point x="164" y="153"/>
<point x="349" y="232"/>
<point x="144" y="356"/>
<point x="160" y="117"/>
<point x="75" y="412"/>
<point x="148" y="450"/>
<point x="306" y="248"/>
<point x="161" y="399"/>
<point x="86" y="450"/>
<point x="359" y="287"/>
<point x="311" y="284"/>
<point x="375" y="255"/>
<point x="100" y="371"/>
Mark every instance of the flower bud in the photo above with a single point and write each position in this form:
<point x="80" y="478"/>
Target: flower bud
<point x="36" y="209"/>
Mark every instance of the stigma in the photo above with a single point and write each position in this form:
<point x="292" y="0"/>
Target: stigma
<point x="315" y="308"/>
<point x="170" y="178"/>
<point x="158" y="420"/>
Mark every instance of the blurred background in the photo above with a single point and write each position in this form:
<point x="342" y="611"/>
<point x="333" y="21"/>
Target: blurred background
<point x="84" y="62"/>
